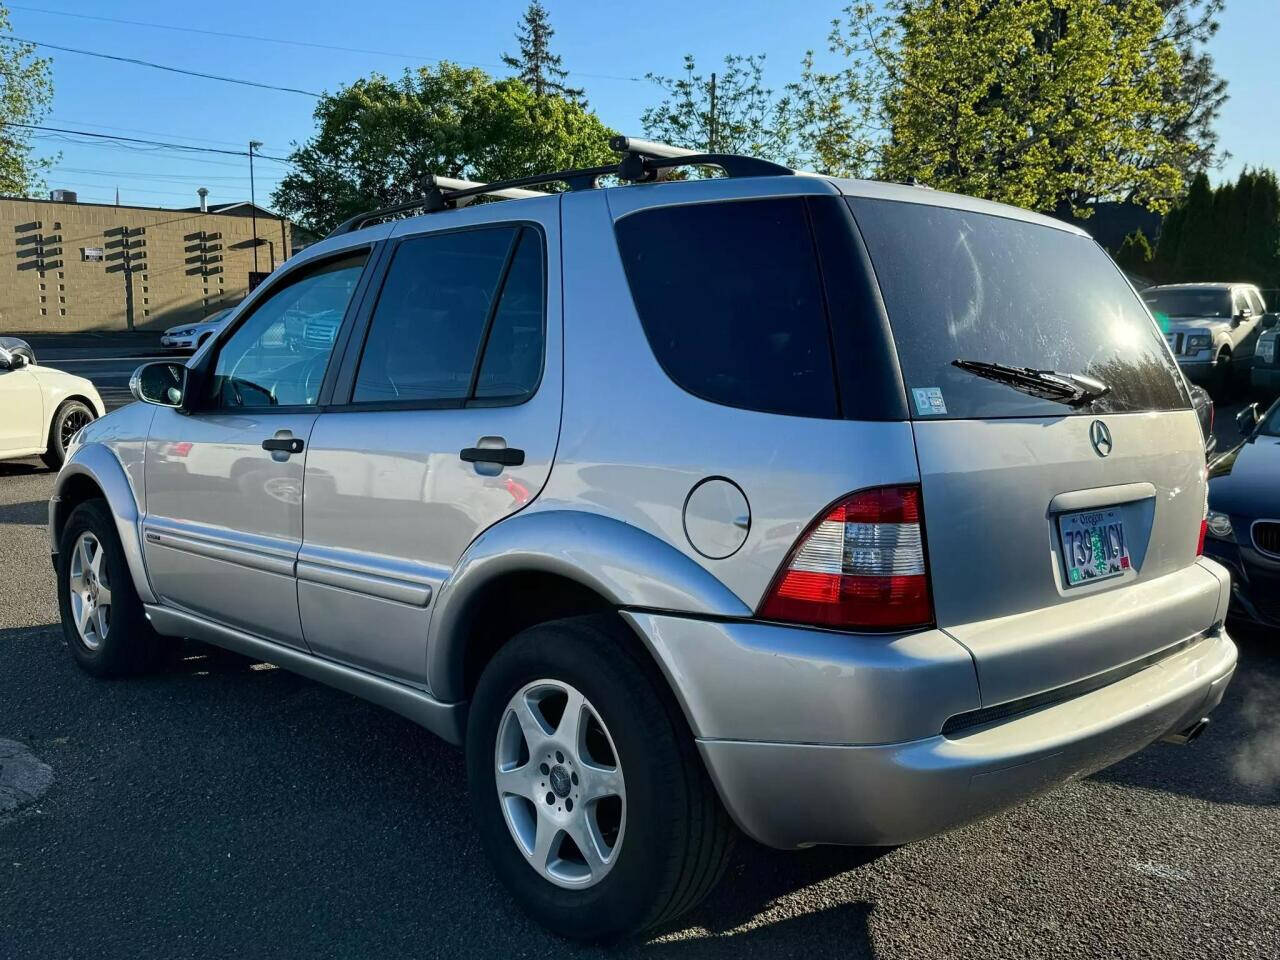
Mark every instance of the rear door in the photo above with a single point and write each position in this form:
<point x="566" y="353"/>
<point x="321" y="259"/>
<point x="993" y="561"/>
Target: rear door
<point x="1061" y="540"/>
<point x="445" y="421"/>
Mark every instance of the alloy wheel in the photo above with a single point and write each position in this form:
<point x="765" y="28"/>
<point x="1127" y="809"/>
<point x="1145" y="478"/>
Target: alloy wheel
<point x="90" y="591"/>
<point x="560" y="784"/>
<point x="71" y="423"/>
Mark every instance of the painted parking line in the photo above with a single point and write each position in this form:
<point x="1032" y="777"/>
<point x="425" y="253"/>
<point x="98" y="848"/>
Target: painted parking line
<point x="162" y="356"/>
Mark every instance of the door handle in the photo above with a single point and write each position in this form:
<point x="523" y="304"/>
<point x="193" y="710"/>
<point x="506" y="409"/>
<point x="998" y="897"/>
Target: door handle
<point x="504" y="456"/>
<point x="283" y="444"/>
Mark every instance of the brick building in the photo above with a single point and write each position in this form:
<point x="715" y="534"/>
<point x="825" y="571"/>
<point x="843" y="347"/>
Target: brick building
<point x="72" y="267"/>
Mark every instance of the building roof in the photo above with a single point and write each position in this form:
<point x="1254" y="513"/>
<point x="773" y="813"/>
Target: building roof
<point x="240" y="208"/>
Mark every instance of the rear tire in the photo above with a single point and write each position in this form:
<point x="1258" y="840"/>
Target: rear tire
<point x="671" y="836"/>
<point x="68" y="418"/>
<point x="102" y="617"/>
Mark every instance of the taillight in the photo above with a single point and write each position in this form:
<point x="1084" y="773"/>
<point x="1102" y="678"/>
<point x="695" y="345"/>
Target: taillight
<point x="861" y="565"/>
<point x="1204" y="528"/>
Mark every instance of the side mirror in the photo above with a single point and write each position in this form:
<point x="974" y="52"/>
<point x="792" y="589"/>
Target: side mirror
<point x="163" y="383"/>
<point x="1247" y="418"/>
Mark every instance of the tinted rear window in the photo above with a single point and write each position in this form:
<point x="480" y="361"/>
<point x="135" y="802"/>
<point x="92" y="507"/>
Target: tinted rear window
<point x="731" y="301"/>
<point x="971" y="286"/>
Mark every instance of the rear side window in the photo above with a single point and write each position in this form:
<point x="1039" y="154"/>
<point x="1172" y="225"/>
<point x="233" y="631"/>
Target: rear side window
<point x="969" y="286"/>
<point x="731" y="301"/>
<point x="446" y="296"/>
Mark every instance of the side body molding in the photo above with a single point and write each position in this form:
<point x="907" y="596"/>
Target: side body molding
<point x="622" y="563"/>
<point x="99" y="464"/>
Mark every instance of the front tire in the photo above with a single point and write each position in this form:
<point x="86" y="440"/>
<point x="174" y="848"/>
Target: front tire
<point x="68" y="419"/>
<point x="102" y="617"/>
<point x="588" y="793"/>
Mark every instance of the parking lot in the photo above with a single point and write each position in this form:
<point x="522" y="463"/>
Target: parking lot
<point x="230" y="809"/>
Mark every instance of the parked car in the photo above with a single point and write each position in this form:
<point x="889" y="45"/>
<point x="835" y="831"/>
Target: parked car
<point x="1212" y="329"/>
<point x="1244" y="516"/>
<point x="1202" y="403"/>
<point x="192" y="336"/>
<point x="1265" y="373"/>
<point x="680" y="517"/>
<point x="40" y="408"/>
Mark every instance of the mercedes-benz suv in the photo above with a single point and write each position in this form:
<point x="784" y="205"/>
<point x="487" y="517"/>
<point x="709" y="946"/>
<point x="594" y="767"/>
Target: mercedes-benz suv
<point x="830" y="511"/>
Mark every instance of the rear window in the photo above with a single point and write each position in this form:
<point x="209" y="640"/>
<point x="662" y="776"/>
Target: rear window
<point x="969" y="286"/>
<point x="731" y="301"/>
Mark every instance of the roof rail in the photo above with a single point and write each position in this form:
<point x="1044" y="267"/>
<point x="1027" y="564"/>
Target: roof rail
<point x="641" y="162"/>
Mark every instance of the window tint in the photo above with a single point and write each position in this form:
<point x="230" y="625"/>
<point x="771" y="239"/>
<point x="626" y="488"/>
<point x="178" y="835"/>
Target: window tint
<point x="731" y="301"/>
<point x="512" y="362"/>
<point x="431" y="314"/>
<point x="278" y="356"/>
<point x="971" y="286"/>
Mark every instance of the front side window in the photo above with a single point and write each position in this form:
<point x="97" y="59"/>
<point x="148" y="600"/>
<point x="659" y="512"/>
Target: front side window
<point x="279" y="354"/>
<point x="447" y="299"/>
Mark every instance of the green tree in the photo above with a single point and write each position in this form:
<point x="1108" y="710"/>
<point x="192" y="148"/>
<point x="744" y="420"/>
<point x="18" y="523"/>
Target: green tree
<point x="377" y="138"/>
<point x="1227" y="233"/>
<point x="535" y="64"/>
<point x="26" y="90"/>
<point x="1047" y="104"/>
<point x="1200" y="92"/>
<point x="1135" y="253"/>
<point x="817" y="121"/>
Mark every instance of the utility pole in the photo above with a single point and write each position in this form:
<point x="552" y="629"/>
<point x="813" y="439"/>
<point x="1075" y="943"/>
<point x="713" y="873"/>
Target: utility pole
<point x="253" y="202"/>
<point x="711" y="132"/>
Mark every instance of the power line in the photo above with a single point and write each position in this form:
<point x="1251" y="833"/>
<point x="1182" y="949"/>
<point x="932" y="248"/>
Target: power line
<point x="159" y="66"/>
<point x="143" y="175"/>
<point x="157" y="133"/>
<point x="155" y="143"/>
<point x="297" y="43"/>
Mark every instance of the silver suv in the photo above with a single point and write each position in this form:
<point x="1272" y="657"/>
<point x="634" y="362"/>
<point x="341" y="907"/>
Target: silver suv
<point x="831" y="511"/>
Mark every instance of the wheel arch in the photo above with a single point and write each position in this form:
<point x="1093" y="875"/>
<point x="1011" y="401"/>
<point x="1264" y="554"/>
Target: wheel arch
<point x="551" y="564"/>
<point x="56" y="407"/>
<point x="94" y="472"/>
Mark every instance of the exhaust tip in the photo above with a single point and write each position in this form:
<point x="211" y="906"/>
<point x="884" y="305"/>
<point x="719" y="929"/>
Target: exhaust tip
<point x="1188" y="734"/>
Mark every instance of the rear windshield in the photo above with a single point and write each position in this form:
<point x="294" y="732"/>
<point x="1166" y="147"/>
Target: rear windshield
<point x="969" y="286"/>
<point x="1189" y="303"/>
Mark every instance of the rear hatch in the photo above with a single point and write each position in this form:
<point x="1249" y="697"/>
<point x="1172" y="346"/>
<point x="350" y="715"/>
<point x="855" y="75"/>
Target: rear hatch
<point x="1061" y="539"/>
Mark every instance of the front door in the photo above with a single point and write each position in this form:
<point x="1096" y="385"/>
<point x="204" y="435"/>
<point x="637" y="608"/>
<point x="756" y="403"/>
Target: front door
<point x="21" y="412"/>
<point x="448" y="423"/>
<point x="224" y="481"/>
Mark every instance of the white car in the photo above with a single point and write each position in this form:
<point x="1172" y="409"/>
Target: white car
<point x="192" y="336"/>
<point x="41" y="409"/>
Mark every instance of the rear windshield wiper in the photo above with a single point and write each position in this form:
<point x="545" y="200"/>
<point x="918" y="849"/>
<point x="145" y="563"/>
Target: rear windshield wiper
<point x="1072" y="389"/>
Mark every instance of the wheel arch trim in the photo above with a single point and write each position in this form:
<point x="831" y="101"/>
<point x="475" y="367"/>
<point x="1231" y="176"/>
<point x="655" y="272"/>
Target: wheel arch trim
<point x="99" y="465"/>
<point x="623" y="564"/>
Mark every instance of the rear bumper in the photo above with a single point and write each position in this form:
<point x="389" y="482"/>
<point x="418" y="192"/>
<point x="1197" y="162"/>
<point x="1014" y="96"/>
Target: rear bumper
<point x="795" y="794"/>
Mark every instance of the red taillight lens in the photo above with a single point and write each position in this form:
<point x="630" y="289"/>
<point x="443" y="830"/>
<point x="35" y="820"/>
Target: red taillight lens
<point x="860" y="566"/>
<point x="1204" y="528"/>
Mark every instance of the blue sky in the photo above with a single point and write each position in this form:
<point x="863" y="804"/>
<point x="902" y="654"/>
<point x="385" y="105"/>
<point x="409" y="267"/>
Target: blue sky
<point x="606" y="46"/>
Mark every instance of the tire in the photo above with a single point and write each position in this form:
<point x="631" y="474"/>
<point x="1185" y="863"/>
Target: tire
<point x="674" y="837"/>
<point x="67" y="419"/>
<point x="121" y="641"/>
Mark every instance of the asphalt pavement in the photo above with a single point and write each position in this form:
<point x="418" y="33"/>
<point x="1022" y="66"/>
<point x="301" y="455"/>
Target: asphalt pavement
<point x="228" y="809"/>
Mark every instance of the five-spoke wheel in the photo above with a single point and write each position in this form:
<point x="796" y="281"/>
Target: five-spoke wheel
<point x="90" y="591"/>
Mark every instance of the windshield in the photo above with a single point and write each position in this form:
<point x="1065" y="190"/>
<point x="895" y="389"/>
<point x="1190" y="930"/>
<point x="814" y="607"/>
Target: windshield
<point x="969" y="286"/>
<point x="1189" y="303"/>
<point x="1270" y="425"/>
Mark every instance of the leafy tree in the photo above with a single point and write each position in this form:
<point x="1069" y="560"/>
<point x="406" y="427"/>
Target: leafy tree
<point x="26" y="90"/>
<point x="378" y="138"/>
<point x="1135" y="253"/>
<point x="1189" y="25"/>
<point x="1048" y="104"/>
<point x="536" y="65"/>
<point x="817" y="121"/>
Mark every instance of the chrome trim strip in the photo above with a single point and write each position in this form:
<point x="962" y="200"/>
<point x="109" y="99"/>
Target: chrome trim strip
<point x="385" y="588"/>
<point x="447" y="720"/>
<point x="1102" y="497"/>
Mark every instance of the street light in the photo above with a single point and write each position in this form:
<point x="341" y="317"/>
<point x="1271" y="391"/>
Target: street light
<point x="253" y="202"/>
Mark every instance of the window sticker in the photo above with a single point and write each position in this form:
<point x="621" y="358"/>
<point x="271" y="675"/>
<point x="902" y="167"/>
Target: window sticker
<point x="929" y="401"/>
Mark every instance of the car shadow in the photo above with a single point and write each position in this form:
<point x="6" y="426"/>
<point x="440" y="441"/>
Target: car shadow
<point x="22" y="468"/>
<point x="32" y="512"/>
<point x="1237" y="759"/>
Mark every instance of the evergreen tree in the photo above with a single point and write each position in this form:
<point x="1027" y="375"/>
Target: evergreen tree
<point x="1135" y="254"/>
<point x="536" y="65"/>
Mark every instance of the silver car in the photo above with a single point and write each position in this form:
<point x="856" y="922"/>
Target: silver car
<point x="192" y="336"/>
<point x="1212" y="329"/>
<point x="827" y="511"/>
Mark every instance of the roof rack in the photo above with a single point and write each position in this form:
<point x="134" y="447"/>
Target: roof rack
<point x="641" y="162"/>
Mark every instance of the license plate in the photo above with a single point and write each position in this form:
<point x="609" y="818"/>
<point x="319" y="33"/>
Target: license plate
<point x="1093" y="546"/>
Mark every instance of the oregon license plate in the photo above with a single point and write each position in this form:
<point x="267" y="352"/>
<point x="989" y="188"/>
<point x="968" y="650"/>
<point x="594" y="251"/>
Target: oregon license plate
<point x="1093" y="546"/>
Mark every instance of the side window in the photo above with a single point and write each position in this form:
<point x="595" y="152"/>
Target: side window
<point x="278" y="355"/>
<point x="1240" y="303"/>
<point x="1255" y="300"/>
<point x="731" y="301"/>
<point x="445" y="296"/>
